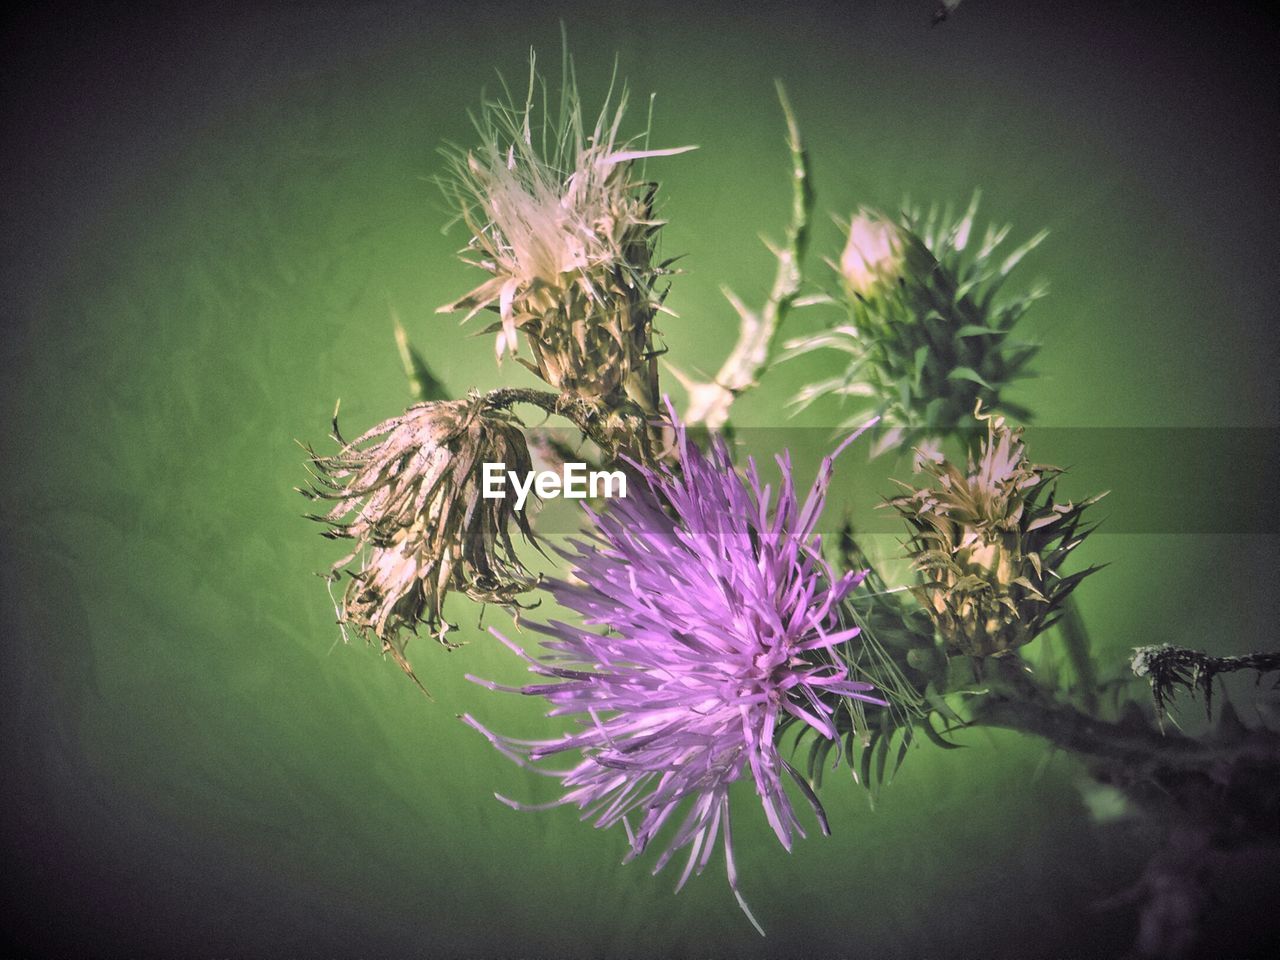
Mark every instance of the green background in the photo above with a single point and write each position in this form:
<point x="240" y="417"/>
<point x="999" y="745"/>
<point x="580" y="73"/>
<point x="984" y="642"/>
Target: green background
<point x="209" y="217"/>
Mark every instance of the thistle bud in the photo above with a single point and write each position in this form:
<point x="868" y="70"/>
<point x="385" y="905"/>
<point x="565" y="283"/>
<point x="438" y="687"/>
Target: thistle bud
<point x="989" y="542"/>
<point x="929" y="328"/>
<point x="872" y="256"/>
<point x="409" y="494"/>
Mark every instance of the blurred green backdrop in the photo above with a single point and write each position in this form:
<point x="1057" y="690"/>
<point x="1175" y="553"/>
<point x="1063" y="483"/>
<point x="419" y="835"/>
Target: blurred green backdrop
<point x="209" y="216"/>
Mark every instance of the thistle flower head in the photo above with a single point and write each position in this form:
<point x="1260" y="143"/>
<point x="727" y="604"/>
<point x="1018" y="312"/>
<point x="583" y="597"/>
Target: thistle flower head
<point x="408" y="493"/>
<point x="565" y="226"/>
<point x="927" y="333"/>
<point x="720" y="625"/>
<point x="990" y="541"/>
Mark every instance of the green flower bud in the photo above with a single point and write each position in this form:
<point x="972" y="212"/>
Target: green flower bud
<point x="927" y="331"/>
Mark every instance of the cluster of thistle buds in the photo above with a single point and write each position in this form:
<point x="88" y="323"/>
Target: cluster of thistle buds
<point x="710" y="622"/>
<point x="926" y="332"/>
<point x="989" y="541"/>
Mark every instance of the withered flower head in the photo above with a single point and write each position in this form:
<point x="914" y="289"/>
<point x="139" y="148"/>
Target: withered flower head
<point x="989" y="541"/>
<point x="409" y="494"/>
<point x="562" y="220"/>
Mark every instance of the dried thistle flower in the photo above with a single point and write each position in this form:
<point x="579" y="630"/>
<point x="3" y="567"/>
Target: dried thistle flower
<point x="408" y="493"/>
<point x="927" y="334"/>
<point x="565" y="225"/>
<point x="1168" y="667"/>
<point x="990" y="541"/>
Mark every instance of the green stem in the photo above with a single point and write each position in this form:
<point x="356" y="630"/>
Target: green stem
<point x="1017" y="702"/>
<point x="1071" y="729"/>
<point x="757" y="343"/>
<point x="620" y="429"/>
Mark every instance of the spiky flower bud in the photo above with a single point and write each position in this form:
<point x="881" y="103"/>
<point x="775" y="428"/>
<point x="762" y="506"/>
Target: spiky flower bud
<point x="926" y="333"/>
<point x="408" y="493"/>
<point x="990" y="541"/>
<point x="562" y="220"/>
<point x="872" y="255"/>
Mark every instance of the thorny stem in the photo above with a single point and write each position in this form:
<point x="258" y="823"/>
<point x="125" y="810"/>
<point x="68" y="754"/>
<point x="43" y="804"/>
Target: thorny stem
<point x="1015" y="701"/>
<point x="616" y="431"/>
<point x="1133" y="743"/>
<point x="557" y="404"/>
<point x="754" y="351"/>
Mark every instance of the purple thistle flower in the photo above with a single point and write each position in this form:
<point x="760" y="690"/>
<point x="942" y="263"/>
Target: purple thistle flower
<point x="722" y="621"/>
